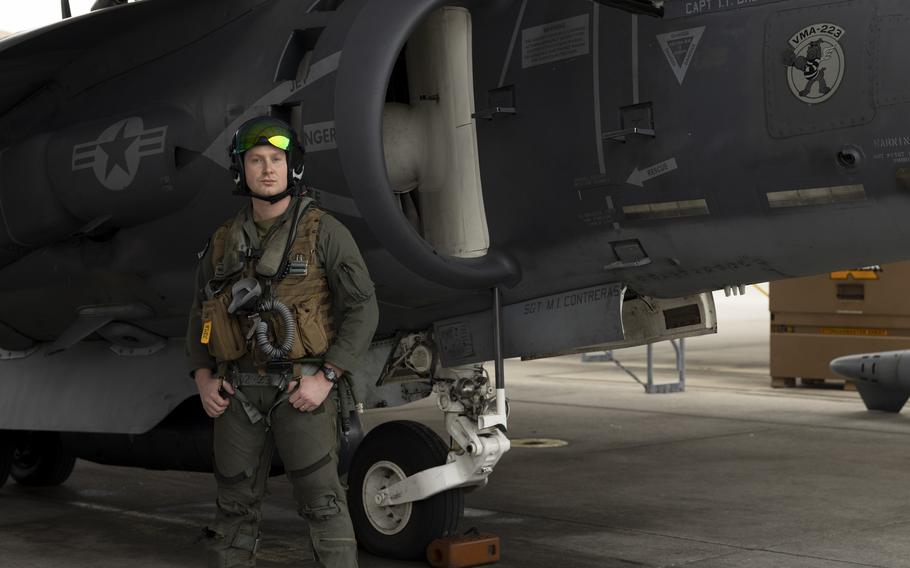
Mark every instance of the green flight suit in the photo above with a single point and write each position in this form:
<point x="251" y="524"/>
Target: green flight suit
<point x="306" y="441"/>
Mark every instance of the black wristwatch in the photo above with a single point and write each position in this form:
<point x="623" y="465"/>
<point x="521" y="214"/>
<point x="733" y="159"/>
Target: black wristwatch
<point x="329" y="374"/>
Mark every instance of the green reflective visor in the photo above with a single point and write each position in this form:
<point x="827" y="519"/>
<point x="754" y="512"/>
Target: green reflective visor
<point x="257" y="134"/>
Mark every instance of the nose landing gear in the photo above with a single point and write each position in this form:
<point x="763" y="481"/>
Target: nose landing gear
<point x="389" y="454"/>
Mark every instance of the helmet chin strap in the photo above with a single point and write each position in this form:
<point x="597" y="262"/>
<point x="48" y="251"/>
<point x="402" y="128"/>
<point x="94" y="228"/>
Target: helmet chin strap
<point x="274" y="198"/>
<point x="295" y="187"/>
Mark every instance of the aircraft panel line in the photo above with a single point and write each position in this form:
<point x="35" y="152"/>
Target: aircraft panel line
<point x="505" y="64"/>
<point x="635" y="94"/>
<point x="598" y="129"/>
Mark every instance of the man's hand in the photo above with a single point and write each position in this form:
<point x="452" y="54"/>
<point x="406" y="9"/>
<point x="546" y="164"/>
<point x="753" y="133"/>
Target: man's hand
<point x="313" y="390"/>
<point x="207" y="385"/>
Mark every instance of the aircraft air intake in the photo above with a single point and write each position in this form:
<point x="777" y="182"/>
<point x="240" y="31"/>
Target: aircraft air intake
<point x="429" y="148"/>
<point x="431" y="145"/>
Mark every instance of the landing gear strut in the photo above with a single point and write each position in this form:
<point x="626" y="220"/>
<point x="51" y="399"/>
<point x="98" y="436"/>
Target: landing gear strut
<point x="406" y="484"/>
<point x="389" y="454"/>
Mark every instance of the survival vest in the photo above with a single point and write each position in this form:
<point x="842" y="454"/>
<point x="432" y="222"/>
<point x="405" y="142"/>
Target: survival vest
<point x="287" y="269"/>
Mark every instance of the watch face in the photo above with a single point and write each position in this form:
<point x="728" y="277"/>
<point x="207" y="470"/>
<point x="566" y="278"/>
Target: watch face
<point x="329" y="373"/>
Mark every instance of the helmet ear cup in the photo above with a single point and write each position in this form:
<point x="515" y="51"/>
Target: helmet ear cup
<point x="237" y="173"/>
<point x="236" y="166"/>
<point x="295" y="166"/>
<point x="297" y="173"/>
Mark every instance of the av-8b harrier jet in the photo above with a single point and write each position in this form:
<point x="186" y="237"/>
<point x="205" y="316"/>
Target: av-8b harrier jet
<point x="525" y="179"/>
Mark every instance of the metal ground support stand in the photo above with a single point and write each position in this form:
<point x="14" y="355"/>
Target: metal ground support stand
<point x="475" y="418"/>
<point x="601" y="357"/>
<point x="649" y="386"/>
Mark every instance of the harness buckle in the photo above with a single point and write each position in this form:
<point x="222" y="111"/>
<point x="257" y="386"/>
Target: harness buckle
<point x="298" y="266"/>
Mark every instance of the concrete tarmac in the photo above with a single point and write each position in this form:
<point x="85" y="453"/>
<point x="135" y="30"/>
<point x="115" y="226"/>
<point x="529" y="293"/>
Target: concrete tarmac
<point x="728" y="473"/>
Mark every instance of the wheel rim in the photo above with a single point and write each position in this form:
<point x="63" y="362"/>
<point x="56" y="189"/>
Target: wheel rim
<point x="25" y="458"/>
<point x="387" y="519"/>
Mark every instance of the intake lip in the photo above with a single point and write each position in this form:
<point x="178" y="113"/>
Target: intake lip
<point x="370" y="51"/>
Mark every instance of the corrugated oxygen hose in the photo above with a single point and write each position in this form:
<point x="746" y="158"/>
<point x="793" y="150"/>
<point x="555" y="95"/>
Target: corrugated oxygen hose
<point x="271" y="350"/>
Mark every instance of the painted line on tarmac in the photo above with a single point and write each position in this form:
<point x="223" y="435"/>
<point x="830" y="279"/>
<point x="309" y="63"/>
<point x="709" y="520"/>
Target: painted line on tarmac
<point x="781" y="423"/>
<point x="542" y="443"/>
<point x="471" y="512"/>
<point x="281" y="552"/>
<point x="134" y="514"/>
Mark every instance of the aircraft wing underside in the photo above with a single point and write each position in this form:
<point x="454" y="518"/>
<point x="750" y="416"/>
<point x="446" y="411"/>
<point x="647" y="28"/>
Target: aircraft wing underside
<point x="37" y="65"/>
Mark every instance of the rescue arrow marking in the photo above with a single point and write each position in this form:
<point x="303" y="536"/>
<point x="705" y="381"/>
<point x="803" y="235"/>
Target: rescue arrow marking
<point x="639" y="177"/>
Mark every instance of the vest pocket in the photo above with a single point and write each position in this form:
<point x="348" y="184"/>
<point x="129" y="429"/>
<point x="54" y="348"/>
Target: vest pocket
<point x="311" y="327"/>
<point x="225" y="338"/>
<point x="298" y="351"/>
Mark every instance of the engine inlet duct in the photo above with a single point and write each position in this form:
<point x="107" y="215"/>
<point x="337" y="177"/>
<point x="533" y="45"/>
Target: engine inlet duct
<point x="370" y="50"/>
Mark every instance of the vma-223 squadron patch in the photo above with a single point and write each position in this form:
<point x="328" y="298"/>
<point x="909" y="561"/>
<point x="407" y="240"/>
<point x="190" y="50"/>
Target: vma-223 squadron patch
<point x="815" y="62"/>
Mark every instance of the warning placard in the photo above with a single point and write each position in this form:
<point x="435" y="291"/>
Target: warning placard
<point x="555" y="41"/>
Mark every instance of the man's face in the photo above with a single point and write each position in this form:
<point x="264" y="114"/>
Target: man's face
<point x="266" y="169"/>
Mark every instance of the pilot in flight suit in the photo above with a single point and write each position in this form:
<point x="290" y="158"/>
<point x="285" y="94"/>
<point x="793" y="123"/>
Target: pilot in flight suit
<point x="284" y="306"/>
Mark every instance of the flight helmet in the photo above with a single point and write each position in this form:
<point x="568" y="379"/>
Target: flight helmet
<point x="275" y="132"/>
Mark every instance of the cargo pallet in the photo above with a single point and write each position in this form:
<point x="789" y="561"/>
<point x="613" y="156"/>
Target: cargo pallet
<point x="792" y="382"/>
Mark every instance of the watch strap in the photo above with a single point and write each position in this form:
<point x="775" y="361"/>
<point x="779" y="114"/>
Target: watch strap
<point x="330" y="374"/>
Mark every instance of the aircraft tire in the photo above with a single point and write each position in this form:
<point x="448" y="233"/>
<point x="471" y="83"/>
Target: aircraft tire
<point x="6" y="458"/>
<point x="389" y="453"/>
<point x="41" y="460"/>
